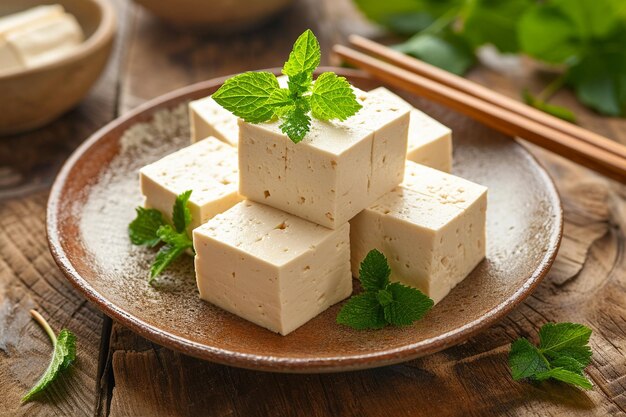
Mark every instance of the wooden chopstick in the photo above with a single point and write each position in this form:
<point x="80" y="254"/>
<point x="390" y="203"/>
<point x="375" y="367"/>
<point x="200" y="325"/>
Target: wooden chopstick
<point x="497" y="117"/>
<point x="477" y="90"/>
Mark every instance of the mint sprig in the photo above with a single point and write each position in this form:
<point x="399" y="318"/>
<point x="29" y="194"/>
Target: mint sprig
<point x="149" y="229"/>
<point x="256" y="97"/>
<point x="382" y="303"/>
<point x="64" y="354"/>
<point x="562" y="354"/>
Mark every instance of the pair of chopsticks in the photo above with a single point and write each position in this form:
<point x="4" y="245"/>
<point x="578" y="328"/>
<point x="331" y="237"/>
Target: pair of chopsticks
<point x="495" y="110"/>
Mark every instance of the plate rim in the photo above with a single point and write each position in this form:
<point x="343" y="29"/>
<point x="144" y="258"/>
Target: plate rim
<point x="269" y="362"/>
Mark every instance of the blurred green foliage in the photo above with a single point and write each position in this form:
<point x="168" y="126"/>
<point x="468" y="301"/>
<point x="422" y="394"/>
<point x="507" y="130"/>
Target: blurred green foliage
<point x="586" y="38"/>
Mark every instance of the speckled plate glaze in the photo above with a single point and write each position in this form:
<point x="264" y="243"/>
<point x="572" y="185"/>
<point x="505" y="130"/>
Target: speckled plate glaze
<point x="93" y="200"/>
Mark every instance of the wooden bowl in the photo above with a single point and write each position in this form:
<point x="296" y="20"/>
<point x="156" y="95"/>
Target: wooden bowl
<point x="93" y="200"/>
<point x="38" y="95"/>
<point x="216" y="16"/>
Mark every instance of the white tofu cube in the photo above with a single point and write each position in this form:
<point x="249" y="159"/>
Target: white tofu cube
<point x="208" y="168"/>
<point x="431" y="228"/>
<point x="207" y="118"/>
<point x="271" y="268"/>
<point x="339" y="169"/>
<point x="429" y="142"/>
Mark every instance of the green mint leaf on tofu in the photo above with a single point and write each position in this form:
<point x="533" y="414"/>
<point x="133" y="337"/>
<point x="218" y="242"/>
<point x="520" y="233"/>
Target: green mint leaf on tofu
<point x="279" y="99"/>
<point x="64" y="354"/>
<point x="382" y="303"/>
<point x="407" y="306"/>
<point x="332" y="97"/>
<point x="362" y="312"/>
<point x="296" y="124"/>
<point x="562" y="354"/>
<point x="305" y="55"/>
<point x="374" y="271"/>
<point x="300" y="84"/>
<point x="246" y="95"/>
<point x="181" y="216"/>
<point x="143" y="230"/>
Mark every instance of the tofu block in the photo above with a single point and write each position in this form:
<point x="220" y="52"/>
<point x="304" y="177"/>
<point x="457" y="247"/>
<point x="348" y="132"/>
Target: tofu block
<point x="339" y="168"/>
<point x="429" y="142"/>
<point x="270" y="267"/>
<point x="207" y="118"/>
<point x="208" y="168"/>
<point x="45" y="42"/>
<point x="431" y="228"/>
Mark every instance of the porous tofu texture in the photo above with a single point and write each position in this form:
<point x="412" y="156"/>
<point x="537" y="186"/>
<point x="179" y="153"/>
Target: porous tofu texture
<point x="207" y="118"/>
<point x="429" y="142"/>
<point x="339" y="168"/>
<point x="270" y="267"/>
<point x="431" y="228"/>
<point x="208" y="168"/>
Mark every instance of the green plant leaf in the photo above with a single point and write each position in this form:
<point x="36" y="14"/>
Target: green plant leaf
<point x="143" y="229"/>
<point x="566" y="376"/>
<point x="557" y="111"/>
<point x="362" y="312"/>
<point x="408" y="305"/>
<point x="566" y="339"/>
<point x="447" y="51"/>
<point x="296" y="123"/>
<point x="246" y="95"/>
<point x="181" y="216"/>
<point x="64" y="354"/>
<point x="525" y="360"/>
<point x="374" y="271"/>
<point x="305" y="55"/>
<point x="166" y="255"/>
<point x="332" y="97"/>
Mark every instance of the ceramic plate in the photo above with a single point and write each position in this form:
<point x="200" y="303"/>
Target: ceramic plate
<point x="93" y="200"/>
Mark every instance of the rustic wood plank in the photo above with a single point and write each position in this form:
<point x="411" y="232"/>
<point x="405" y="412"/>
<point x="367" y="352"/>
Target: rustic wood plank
<point x="29" y="278"/>
<point x="587" y="283"/>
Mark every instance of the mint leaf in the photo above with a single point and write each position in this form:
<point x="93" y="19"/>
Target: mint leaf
<point x="332" y="97"/>
<point x="300" y="84"/>
<point x="296" y="124"/>
<point x="64" y="354"/>
<point x="143" y="230"/>
<point x="181" y="216"/>
<point x="557" y="111"/>
<point x="382" y="303"/>
<point x="566" y="376"/>
<point x="563" y="354"/>
<point x="305" y="55"/>
<point x="525" y="360"/>
<point x="166" y="255"/>
<point x="246" y="95"/>
<point x="171" y="237"/>
<point x="280" y="98"/>
<point x="374" y="271"/>
<point x="361" y="312"/>
<point x="408" y="305"/>
<point x="447" y="51"/>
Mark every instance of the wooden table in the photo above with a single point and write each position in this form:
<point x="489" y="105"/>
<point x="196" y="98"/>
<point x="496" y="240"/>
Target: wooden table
<point x="121" y="374"/>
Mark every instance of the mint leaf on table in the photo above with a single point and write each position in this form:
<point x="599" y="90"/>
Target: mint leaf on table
<point x="382" y="303"/>
<point x="149" y="229"/>
<point x="333" y="98"/>
<point x="143" y="230"/>
<point x="447" y="51"/>
<point x="257" y="97"/>
<point x="246" y="95"/>
<point x="64" y="354"/>
<point x="562" y="354"/>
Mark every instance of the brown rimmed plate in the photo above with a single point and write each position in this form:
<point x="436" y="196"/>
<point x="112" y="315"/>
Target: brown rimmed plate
<point x="93" y="200"/>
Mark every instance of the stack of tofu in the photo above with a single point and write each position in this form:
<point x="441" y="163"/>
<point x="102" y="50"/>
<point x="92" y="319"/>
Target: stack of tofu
<point x="281" y="228"/>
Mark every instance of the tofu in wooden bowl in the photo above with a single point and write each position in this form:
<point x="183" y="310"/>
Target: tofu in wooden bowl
<point x="50" y="56"/>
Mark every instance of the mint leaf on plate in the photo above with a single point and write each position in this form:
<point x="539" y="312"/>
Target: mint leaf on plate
<point x="383" y="303"/>
<point x="143" y="230"/>
<point x="181" y="216"/>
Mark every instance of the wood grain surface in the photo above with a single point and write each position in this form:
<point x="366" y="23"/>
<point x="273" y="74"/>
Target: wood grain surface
<point x="121" y="374"/>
